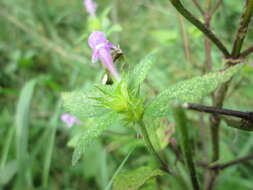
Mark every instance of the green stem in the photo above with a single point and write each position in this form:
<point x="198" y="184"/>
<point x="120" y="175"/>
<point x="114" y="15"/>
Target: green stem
<point x="180" y="8"/>
<point x="181" y="123"/>
<point x="150" y="146"/>
<point x="243" y="28"/>
<point x="215" y="120"/>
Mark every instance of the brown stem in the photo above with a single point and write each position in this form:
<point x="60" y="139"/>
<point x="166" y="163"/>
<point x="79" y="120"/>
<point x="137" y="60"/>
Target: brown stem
<point x="207" y="68"/>
<point x="185" y="38"/>
<point x="216" y="7"/>
<point x="208" y="47"/>
<point x="196" y="3"/>
<point x="184" y="12"/>
<point x="225" y="165"/>
<point x="215" y="110"/>
<point x="221" y="92"/>
<point x="215" y="120"/>
<point x="243" y="28"/>
<point x="246" y="52"/>
<point x="231" y="163"/>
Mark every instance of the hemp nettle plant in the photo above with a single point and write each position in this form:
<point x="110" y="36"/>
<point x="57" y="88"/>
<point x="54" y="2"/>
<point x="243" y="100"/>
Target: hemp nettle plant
<point x="123" y="101"/>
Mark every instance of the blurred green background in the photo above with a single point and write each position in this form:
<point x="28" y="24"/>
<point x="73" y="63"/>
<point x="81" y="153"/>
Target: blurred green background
<point x="43" y="52"/>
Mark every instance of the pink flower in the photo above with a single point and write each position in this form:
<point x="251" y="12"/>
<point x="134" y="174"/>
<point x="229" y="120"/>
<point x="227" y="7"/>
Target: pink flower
<point x="91" y="7"/>
<point x="69" y="120"/>
<point x="102" y="51"/>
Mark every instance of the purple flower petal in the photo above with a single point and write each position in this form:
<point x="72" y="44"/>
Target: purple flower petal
<point x="94" y="58"/>
<point x="97" y="38"/>
<point x="69" y="120"/>
<point x="102" y="51"/>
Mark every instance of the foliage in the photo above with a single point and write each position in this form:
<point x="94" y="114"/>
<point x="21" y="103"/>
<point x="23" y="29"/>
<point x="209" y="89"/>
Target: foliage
<point x="107" y="103"/>
<point x="96" y="130"/>
<point x="189" y="91"/>
<point x="44" y="56"/>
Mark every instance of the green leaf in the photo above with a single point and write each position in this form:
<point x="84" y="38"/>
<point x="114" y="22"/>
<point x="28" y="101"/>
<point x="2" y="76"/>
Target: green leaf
<point x="135" y="179"/>
<point x="8" y="172"/>
<point x="105" y="89"/>
<point x="141" y="70"/>
<point x="93" y="131"/>
<point x="50" y="145"/>
<point x="238" y="123"/>
<point x="159" y="132"/>
<point x="188" y="91"/>
<point x="80" y="105"/>
<point x="7" y="145"/>
<point x="22" y="131"/>
<point x="150" y="185"/>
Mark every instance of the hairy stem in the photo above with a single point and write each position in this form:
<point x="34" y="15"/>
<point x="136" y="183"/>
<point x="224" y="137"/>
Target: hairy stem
<point x="207" y="68"/>
<point x="232" y="163"/>
<point x="215" y="110"/>
<point x="221" y="92"/>
<point x="150" y="146"/>
<point x="181" y="123"/>
<point x="215" y="120"/>
<point x="243" y="28"/>
<point x="225" y="165"/>
<point x="246" y="52"/>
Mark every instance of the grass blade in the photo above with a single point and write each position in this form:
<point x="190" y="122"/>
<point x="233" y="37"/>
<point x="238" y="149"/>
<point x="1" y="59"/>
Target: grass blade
<point x="50" y="145"/>
<point x="108" y="187"/>
<point x="21" y="122"/>
<point x="7" y="146"/>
